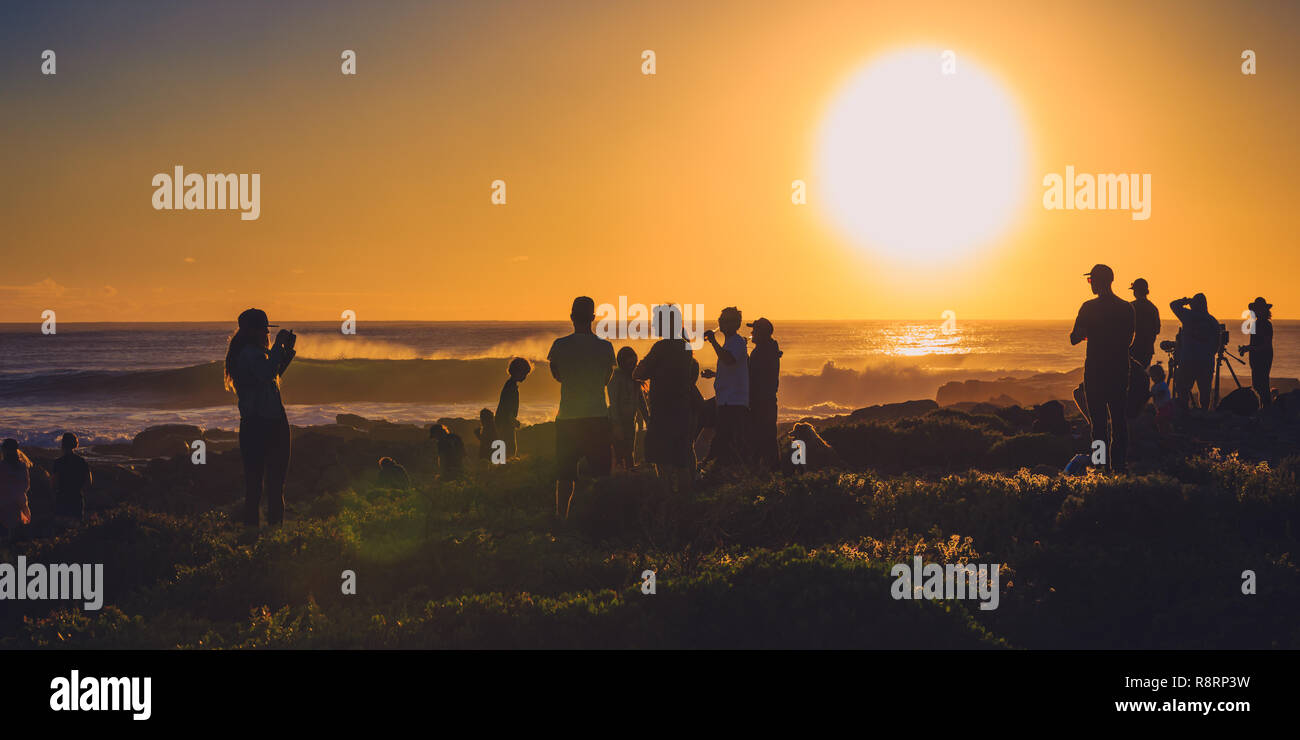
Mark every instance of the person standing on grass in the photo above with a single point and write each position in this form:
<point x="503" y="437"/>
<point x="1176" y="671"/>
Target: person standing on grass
<point x="1106" y="323"/>
<point x="253" y="369"/>
<point x="582" y="363"/>
<point x="72" y="477"/>
<point x="731" y="389"/>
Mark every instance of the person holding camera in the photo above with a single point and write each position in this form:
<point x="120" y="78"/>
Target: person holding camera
<point x="1198" y="344"/>
<point x="1260" y="350"/>
<point x="252" y="370"/>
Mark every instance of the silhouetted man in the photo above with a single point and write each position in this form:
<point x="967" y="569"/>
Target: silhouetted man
<point x="1146" y="327"/>
<point x="730" y="389"/>
<point x="1106" y="322"/>
<point x="582" y="362"/>
<point x="764" y="377"/>
<point x="1198" y="343"/>
<point x="71" y="478"/>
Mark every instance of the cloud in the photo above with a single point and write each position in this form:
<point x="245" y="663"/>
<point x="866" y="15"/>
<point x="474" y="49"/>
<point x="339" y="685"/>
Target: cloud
<point x="519" y="258"/>
<point x="46" y="288"/>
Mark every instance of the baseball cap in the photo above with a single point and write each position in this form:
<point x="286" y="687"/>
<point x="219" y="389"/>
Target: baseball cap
<point x="1139" y="283"/>
<point x="761" y="325"/>
<point x="1101" y="272"/>
<point x="254" y="318"/>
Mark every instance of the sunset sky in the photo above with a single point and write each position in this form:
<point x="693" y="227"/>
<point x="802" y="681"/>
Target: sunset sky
<point x="375" y="189"/>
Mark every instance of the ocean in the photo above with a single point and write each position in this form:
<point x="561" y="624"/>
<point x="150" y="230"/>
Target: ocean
<point x="107" y="382"/>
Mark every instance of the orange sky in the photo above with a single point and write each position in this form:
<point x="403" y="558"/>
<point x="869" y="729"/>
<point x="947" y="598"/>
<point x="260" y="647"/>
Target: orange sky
<point x="376" y="188"/>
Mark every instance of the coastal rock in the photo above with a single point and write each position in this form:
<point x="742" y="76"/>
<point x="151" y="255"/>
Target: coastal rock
<point x="165" y="440"/>
<point x="891" y="411"/>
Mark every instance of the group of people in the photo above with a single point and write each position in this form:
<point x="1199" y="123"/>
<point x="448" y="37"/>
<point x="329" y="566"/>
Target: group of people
<point x="1118" y="375"/>
<point x="70" y="477"/>
<point x="605" y="398"/>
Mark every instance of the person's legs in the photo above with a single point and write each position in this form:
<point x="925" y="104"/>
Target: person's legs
<point x="763" y="434"/>
<point x="1139" y="389"/>
<point x="277" y="467"/>
<point x="252" y="449"/>
<point x="1095" y="390"/>
<point x="566" y="462"/>
<point x="1205" y="387"/>
<point x="1117" y="453"/>
<point x="1260" y="367"/>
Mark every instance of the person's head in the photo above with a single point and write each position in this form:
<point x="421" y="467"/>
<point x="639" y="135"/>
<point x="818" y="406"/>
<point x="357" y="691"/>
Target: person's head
<point x="1261" y="308"/>
<point x="1199" y="304"/>
<point x="12" y="455"/>
<point x="729" y="320"/>
<point x="762" y="329"/>
<point x="1139" y="288"/>
<point x="69" y="442"/>
<point x="388" y="463"/>
<point x="626" y="359"/>
<point x="519" y="369"/>
<point x="1156" y="373"/>
<point x="439" y="432"/>
<point x="668" y="321"/>
<point x="254" y="329"/>
<point x="1100" y="278"/>
<point x="582" y="314"/>
<point x="486" y="419"/>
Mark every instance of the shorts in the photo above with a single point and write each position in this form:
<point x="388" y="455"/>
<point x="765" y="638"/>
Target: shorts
<point x="575" y="439"/>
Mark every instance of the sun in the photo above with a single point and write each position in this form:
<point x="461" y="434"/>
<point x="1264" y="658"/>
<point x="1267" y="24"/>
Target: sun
<point x="919" y="163"/>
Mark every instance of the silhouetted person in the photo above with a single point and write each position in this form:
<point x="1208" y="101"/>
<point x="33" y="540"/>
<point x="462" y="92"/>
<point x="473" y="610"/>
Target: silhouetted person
<point x="764" y="378"/>
<point x="671" y="369"/>
<point x="1260" y="350"/>
<point x="392" y="474"/>
<point x="15" y="480"/>
<point x="627" y="409"/>
<point x="72" y="477"/>
<point x="451" y="450"/>
<point x="1106" y="322"/>
<point x="507" y="416"/>
<point x="1198" y="344"/>
<point x="1161" y="397"/>
<point x="582" y="363"/>
<point x="731" y="389"/>
<point x="486" y="433"/>
<point x="1146" y="327"/>
<point x="253" y="370"/>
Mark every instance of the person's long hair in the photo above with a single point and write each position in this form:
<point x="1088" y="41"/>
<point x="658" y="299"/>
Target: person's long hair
<point x="240" y="339"/>
<point x="17" y="459"/>
<point x="1263" y="312"/>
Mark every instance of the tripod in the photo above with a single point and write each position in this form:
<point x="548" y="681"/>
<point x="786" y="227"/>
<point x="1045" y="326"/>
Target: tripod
<point x="1219" y="363"/>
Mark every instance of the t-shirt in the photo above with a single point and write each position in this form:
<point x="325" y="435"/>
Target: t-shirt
<point x="508" y="405"/>
<point x="731" y="384"/>
<point x="72" y="472"/>
<point x="1107" y="323"/>
<point x="1146" y="327"/>
<point x="582" y="363"/>
<point x="764" y="371"/>
<point x="1199" y="339"/>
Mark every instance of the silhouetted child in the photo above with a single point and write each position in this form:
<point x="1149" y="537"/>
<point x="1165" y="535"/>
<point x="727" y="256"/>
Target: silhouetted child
<point x="627" y="410"/>
<point x="451" y="450"/>
<point x="71" y="478"/>
<point x="486" y="433"/>
<point x="392" y="474"/>
<point x="1161" y="397"/>
<point x="507" y="416"/>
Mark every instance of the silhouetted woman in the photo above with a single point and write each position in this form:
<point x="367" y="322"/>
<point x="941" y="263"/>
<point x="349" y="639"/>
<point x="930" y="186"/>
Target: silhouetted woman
<point x="253" y="373"/>
<point x="1261" y="350"/>
<point x="672" y="370"/>
<point x="15" y="479"/>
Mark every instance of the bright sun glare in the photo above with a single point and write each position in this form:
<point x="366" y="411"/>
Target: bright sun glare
<point x="921" y="166"/>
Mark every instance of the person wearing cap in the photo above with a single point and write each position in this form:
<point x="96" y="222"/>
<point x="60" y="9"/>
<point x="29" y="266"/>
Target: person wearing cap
<point x="252" y="370"/>
<point x="1198" y="344"/>
<point x="71" y="478"/>
<point x="582" y="363"/>
<point x="730" y="389"/>
<point x="1260" y="350"/>
<point x="1146" y="327"/>
<point x="1106" y="323"/>
<point x="15" y="480"/>
<point x="764" y="377"/>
